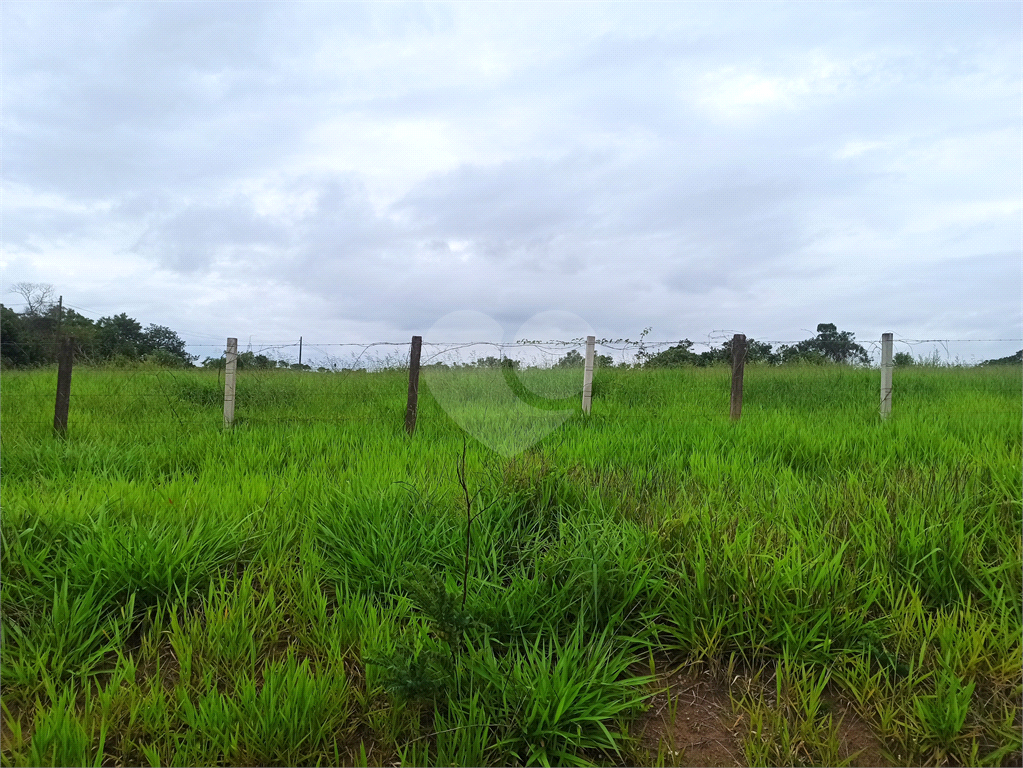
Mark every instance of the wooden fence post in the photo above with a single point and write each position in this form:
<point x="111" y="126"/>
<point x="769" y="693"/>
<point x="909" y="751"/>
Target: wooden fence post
<point x="65" y="358"/>
<point x="412" y="407"/>
<point x="738" y="363"/>
<point x="588" y="375"/>
<point x="230" y="368"/>
<point x="887" y="363"/>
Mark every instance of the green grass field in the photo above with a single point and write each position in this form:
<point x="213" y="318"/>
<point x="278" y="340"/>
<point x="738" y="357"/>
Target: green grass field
<point x="651" y="584"/>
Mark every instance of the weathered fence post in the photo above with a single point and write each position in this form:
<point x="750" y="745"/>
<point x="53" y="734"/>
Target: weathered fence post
<point x="413" y="384"/>
<point x="588" y="374"/>
<point x="887" y="363"/>
<point x="230" y="368"/>
<point x="738" y="363"/>
<point x="65" y="358"/>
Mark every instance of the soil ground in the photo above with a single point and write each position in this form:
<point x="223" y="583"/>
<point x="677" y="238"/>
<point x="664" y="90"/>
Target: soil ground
<point x="708" y="731"/>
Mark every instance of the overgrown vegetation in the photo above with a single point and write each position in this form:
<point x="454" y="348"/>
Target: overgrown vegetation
<point x="31" y="338"/>
<point x="1016" y="359"/>
<point x="830" y="345"/>
<point x="306" y="588"/>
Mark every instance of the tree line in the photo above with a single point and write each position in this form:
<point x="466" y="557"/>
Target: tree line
<point x="253" y="361"/>
<point x="830" y="345"/>
<point x="31" y="337"/>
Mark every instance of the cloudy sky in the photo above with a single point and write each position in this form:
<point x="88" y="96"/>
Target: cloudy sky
<point x="355" y="173"/>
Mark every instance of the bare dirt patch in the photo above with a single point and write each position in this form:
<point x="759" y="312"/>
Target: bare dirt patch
<point x="856" y="738"/>
<point x="692" y="717"/>
<point x="692" y="720"/>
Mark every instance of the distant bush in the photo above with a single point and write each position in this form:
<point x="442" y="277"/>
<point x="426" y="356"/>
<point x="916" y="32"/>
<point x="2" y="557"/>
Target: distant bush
<point x="247" y="360"/>
<point x="165" y="359"/>
<point x="1016" y="359"/>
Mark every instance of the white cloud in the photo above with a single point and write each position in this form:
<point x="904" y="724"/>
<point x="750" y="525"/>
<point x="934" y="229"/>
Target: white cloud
<point x="741" y="91"/>
<point x="856" y="148"/>
<point x="732" y="92"/>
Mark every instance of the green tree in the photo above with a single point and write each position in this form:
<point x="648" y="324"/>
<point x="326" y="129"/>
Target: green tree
<point x="31" y="337"/>
<point x="673" y="357"/>
<point x="756" y="352"/>
<point x="38" y="322"/>
<point x="82" y="328"/>
<point x="250" y="361"/>
<point x="1016" y="359"/>
<point x="572" y="359"/>
<point x="120" y="335"/>
<point x="902" y="359"/>
<point x="683" y="354"/>
<point x="496" y="362"/>
<point x="801" y="353"/>
<point x="839" y="346"/>
<point x="829" y="345"/>
<point x="160" y="338"/>
<point x="14" y="346"/>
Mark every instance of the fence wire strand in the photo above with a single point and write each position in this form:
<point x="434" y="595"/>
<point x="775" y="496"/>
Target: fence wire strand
<point x="133" y="390"/>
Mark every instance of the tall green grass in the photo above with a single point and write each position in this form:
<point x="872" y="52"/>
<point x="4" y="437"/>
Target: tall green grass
<point x="298" y="589"/>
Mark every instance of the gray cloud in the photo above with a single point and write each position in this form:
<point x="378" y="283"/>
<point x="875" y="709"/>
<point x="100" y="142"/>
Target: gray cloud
<point x="195" y="238"/>
<point x="366" y="169"/>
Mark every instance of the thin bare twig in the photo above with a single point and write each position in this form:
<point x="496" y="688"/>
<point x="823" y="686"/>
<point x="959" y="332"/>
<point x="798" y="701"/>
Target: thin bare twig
<point x="469" y="517"/>
<point x="460" y="469"/>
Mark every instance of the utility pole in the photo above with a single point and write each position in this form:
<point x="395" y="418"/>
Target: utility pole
<point x="300" y="352"/>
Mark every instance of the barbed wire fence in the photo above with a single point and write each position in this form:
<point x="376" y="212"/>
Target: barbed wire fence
<point x="144" y="393"/>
